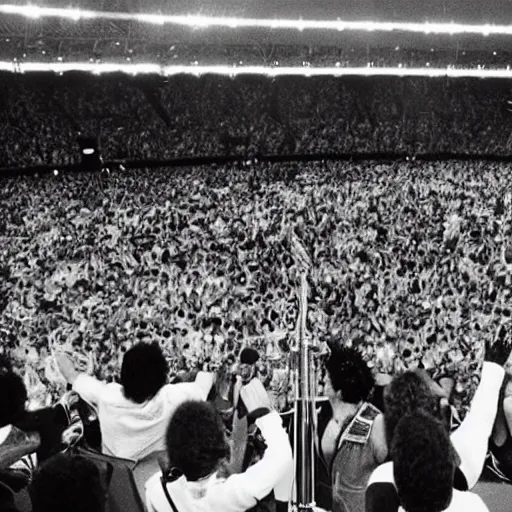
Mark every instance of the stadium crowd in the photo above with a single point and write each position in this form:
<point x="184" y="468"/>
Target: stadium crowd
<point x="411" y="261"/>
<point x="147" y="317"/>
<point x="411" y="268"/>
<point x="185" y="116"/>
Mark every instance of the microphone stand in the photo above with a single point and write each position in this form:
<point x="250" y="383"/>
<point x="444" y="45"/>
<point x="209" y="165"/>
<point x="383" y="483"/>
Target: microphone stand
<point x="304" y="412"/>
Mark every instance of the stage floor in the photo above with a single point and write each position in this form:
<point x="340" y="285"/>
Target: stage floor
<point x="497" y="495"/>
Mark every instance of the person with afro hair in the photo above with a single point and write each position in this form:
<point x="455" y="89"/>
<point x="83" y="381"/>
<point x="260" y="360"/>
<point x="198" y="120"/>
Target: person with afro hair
<point x="67" y="483"/>
<point x="350" y="433"/>
<point x="414" y="391"/>
<point x="198" y="452"/>
<point x="424" y="466"/>
<point x="134" y="413"/>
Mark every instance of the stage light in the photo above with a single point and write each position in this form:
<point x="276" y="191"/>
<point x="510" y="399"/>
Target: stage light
<point x="150" y="18"/>
<point x="74" y="14"/>
<point x="270" y="71"/>
<point x="199" y="21"/>
<point x="91" y="155"/>
<point x="32" y="11"/>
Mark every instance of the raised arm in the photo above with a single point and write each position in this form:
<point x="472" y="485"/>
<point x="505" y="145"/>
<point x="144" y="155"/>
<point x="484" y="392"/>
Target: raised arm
<point x="66" y="367"/>
<point x="242" y="491"/>
<point x="89" y="388"/>
<point x="471" y="439"/>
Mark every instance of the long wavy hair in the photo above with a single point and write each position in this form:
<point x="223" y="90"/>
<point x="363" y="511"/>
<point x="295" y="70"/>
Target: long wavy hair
<point x="407" y="393"/>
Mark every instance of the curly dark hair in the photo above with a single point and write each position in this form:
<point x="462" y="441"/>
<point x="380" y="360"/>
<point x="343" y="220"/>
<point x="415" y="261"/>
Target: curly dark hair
<point x="405" y="394"/>
<point x="350" y="374"/>
<point x="13" y="395"/>
<point x="144" y="371"/>
<point x="423" y="463"/>
<point x="67" y="482"/>
<point x="196" y="440"/>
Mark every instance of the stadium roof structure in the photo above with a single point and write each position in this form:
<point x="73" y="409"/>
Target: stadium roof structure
<point x="31" y="30"/>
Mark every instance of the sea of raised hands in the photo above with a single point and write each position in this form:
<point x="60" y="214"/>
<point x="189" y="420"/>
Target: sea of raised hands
<point x="411" y="262"/>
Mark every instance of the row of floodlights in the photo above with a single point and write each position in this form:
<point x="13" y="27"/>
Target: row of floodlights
<point x="156" y="69"/>
<point x="195" y="65"/>
<point x="199" y="21"/>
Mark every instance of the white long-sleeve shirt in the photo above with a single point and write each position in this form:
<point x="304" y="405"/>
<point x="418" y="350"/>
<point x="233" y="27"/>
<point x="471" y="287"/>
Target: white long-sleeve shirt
<point x="469" y="440"/>
<point x="461" y="501"/>
<point x="236" y="493"/>
<point x="130" y="430"/>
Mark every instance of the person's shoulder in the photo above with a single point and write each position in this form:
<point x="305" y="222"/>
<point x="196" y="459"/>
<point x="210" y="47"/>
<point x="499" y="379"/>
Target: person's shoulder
<point x="225" y="493"/>
<point x="382" y="474"/>
<point x="156" y="499"/>
<point x="464" y="500"/>
<point x="111" y="393"/>
<point x="153" y="481"/>
<point x="113" y="388"/>
<point x="381" y="494"/>
<point x="378" y="438"/>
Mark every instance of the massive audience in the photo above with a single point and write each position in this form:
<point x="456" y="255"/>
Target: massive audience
<point x="185" y="116"/>
<point x="150" y="316"/>
<point x="410" y="261"/>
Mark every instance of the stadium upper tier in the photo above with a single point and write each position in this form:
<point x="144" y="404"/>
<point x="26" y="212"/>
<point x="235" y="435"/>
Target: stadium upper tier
<point x="185" y="116"/>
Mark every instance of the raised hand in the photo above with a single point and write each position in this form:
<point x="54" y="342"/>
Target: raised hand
<point x="497" y="351"/>
<point x="66" y="367"/>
